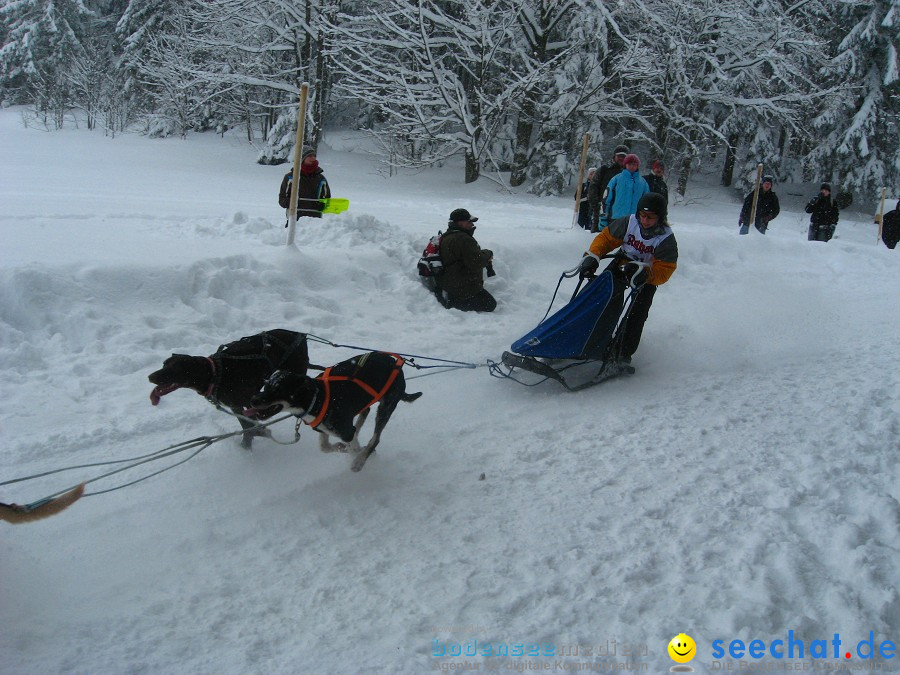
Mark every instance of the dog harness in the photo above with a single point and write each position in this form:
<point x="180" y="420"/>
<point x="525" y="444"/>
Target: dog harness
<point x="253" y="347"/>
<point x="327" y="378"/>
<point x="214" y="382"/>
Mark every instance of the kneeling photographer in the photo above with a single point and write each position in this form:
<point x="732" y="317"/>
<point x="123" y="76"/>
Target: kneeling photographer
<point x="464" y="260"/>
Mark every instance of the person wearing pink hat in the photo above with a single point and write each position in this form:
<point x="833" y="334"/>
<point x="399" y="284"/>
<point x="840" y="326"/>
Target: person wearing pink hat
<point x="312" y="188"/>
<point x="624" y="191"/>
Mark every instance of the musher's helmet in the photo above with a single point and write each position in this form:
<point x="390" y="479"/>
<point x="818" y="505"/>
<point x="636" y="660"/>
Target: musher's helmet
<point x="655" y="203"/>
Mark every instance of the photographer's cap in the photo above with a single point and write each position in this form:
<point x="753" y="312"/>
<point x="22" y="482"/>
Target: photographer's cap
<point x="458" y="215"/>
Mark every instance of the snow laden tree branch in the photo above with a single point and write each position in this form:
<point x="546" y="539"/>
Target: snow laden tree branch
<point x="718" y="71"/>
<point x="809" y="87"/>
<point x="440" y="76"/>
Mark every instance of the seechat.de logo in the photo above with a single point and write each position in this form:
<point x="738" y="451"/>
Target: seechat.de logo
<point x="798" y="648"/>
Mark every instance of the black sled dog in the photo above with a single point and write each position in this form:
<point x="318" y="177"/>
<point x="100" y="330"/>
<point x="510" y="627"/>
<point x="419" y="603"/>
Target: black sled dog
<point x="337" y="402"/>
<point x="230" y="377"/>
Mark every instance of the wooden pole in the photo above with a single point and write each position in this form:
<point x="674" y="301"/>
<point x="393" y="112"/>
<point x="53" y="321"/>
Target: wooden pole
<point x="584" y="147"/>
<point x="298" y="157"/>
<point x="879" y="217"/>
<point x="759" y="170"/>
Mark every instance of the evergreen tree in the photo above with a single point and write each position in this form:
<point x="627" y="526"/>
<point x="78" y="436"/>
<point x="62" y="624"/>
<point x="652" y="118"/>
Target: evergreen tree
<point x="141" y="26"/>
<point x="41" y="40"/>
<point x="857" y="128"/>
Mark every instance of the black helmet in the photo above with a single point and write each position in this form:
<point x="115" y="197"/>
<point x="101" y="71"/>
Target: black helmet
<point x="655" y="203"/>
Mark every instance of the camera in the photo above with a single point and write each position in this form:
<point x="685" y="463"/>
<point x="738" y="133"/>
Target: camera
<point x="490" y="269"/>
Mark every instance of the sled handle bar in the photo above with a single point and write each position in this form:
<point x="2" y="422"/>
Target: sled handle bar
<point x="641" y="266"/>
<point x="577" y="269"/>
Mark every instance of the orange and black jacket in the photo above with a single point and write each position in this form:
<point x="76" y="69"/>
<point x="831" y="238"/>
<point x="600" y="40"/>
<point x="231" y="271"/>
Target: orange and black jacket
<point x="664" y="259"/>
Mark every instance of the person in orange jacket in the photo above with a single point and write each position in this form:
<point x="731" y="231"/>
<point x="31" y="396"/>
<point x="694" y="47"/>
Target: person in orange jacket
<point x="646" y="237"/>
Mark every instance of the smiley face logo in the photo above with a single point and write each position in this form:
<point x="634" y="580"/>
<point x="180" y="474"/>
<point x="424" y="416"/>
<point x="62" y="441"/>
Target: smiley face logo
<point x="682" y="648"/>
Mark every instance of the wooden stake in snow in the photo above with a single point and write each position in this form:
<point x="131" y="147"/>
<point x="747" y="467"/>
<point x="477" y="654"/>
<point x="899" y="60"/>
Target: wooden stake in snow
<point x="584" y="147"/>
<point x="879" y="217"/>
<point x="752" y="223"/>
<point x="298" y="152"/>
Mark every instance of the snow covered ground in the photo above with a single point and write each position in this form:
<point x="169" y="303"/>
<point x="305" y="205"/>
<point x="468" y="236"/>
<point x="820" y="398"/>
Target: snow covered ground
<point x="742" y="485"/>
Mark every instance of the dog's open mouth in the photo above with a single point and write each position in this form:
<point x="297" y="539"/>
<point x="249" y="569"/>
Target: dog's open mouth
<point x="160" y="391"/>
<point x="263" y="413"/>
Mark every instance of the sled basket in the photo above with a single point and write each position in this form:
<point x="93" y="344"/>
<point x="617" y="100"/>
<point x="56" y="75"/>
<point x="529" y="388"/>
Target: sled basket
<point x="581" y="329"/>
<point x="578" y="346"/>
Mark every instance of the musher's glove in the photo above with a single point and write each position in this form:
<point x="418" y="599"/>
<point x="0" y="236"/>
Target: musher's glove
<point x="589" y="267"/>
<point x="630" y="269"/>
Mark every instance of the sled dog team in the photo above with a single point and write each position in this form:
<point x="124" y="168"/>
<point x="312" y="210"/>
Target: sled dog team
<point x="261" y="375"/>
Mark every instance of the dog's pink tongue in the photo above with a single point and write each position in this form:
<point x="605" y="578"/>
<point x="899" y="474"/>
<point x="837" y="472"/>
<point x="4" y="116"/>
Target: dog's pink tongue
<point x="159" y="392"/>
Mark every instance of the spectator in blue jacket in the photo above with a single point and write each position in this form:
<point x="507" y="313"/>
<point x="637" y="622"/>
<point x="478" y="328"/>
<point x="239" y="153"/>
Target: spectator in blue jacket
<point x="624" y="191"/>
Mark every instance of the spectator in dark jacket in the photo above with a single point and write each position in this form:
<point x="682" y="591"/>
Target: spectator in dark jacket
<point x="824" y="215"/>
<point x="600" y="181"/>
<point x="312" y="187"/>
<point x="767" y="207"/>
<point x="584" y="206"/>
<point x="464" y="264"/>
<point x="890" y="227"/>
<point x="655" y="179"/>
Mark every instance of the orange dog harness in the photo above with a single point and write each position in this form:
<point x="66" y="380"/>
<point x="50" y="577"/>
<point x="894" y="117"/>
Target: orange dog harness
<point x="327" y="378"/>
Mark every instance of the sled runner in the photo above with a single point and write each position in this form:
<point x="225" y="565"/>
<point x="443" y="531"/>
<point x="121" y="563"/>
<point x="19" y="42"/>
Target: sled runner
<point x="579" y="345"/>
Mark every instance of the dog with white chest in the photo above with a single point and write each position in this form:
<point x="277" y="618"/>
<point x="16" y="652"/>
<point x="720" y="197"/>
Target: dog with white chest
<point x="337" y="402"/>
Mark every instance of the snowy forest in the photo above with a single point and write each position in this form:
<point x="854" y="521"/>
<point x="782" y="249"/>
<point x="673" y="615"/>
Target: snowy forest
<point x="811" y="88"/>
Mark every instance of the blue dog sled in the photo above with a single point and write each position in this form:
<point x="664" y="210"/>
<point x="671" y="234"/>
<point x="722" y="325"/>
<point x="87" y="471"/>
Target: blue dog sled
<point x="579" y="346"/>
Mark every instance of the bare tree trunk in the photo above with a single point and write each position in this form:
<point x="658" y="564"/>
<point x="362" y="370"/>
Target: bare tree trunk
<point x="472" y="168"/>
<point x="524" y="130"/>
<point x="685" y="174"/>
<point x="687" y="162"/>
<point x="730" y="158"/>
<point x="321" y="84"/>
